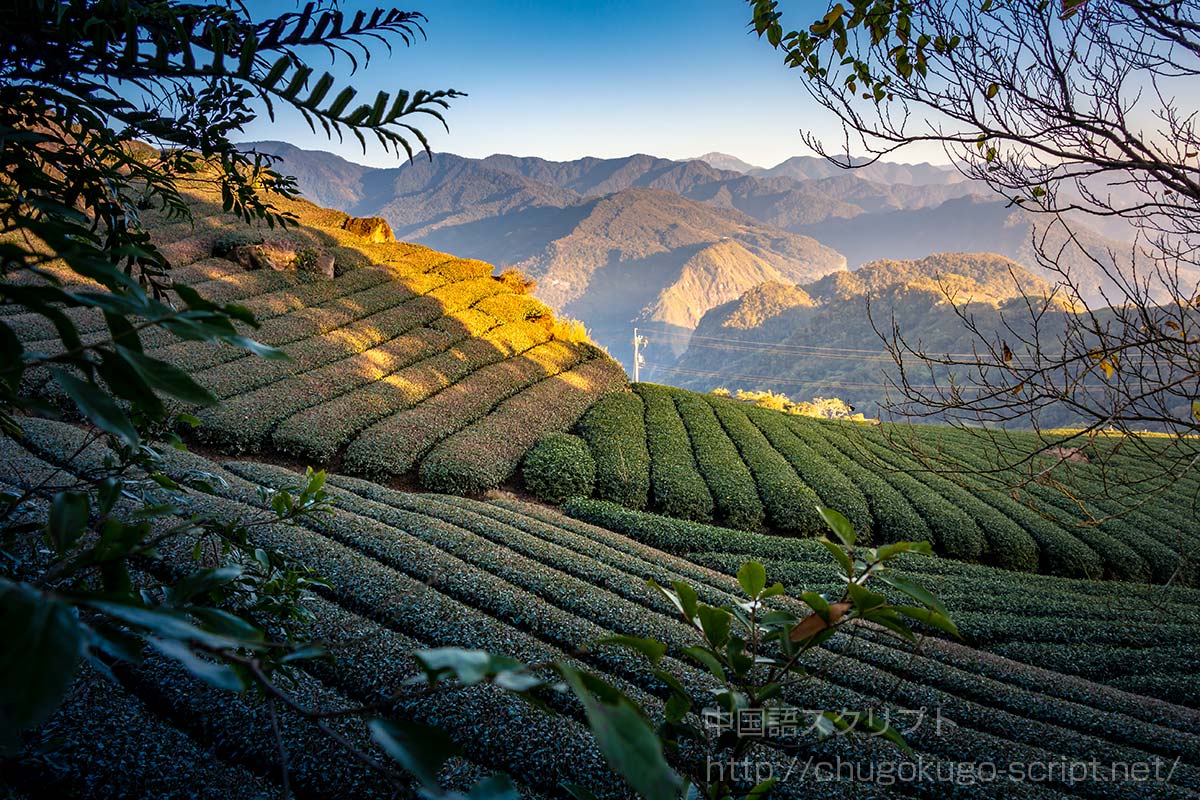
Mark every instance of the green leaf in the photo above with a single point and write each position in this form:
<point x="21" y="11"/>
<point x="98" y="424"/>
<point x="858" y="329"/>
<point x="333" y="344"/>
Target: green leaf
<point x="817" y="603"/>
<point x="676" y="708"/>
<point x="890" y="551"/>
<point x="838" y="553"/>
<point x="915" y="591"/>
<point x="864" y="599"/>
<point x="467" y="666"/>
<point x="97" y="407"/>
<point x="164" y="624"/>
<point x="840" y="526"/>
<point x="221" y="676"/>
<point x="578" y="792"/>
<point x="202" y="581"/>
<point x="683" y="597"/>
<point x="652" y="649"/>
<point x="42" y="646"/>
<point x="627" y="740"/>
<point x="67" y="520"/>
<point x="167" y="378"/>
<point x="420" y="749"/>
<point x="707" y="659"/>
<point x="753" y="578"/>
<point x="929" y="617"/>
<point x="867" y="721"/>
<point x="497" y="787"/>
<point x="715" y="622"/>
<point x="993" y="90"/>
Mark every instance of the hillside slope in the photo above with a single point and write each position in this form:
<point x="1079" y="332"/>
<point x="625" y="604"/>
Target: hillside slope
<point x="708" y="459"/>
<point x="642" y="255"/>
<point x="408" y="364"/>
<point x="412" y="571"/>
<point x="820" y="339"/>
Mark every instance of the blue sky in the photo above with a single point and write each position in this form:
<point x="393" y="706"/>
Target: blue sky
<point x="674" y="78"/>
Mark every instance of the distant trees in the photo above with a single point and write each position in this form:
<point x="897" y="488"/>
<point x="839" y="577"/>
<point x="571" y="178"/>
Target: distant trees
<point x="1077" y="110"/>
<point x="822" y="407"/>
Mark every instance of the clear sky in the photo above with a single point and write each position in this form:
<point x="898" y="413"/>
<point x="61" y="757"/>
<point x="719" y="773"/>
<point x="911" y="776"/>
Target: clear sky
<point x="560" y="80"/>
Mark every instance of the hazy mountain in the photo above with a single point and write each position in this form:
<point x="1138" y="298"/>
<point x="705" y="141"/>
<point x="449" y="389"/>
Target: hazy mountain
<point x="817" y="339"/>
<point x="726" y="162"/>
<point x="644" y="255"/>
<point x="324" y="178"/>
<point x="614" y="241"/>
<point x="815" y="167"/>
<point x="969" y="224"/>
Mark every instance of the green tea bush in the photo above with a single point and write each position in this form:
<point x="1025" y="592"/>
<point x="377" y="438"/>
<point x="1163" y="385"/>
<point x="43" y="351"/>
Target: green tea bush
<point x="732" y="486"/>
<point x="678" y="488"/>
<point x="246" y="420"/>
<point x="319" y="432"/>
<point x="955" y="533"/>
<point x="507" y="305"/>
<point x="487" y="453"/>
<point x="245" y="375"/>
<point x="685" y="537"/>
<point x="560" y="466"/>
<point x="464" y="269"/>
<point x="615" y="429"/>
<point x="894" y="517"/>
<point x="823" y="477"/>
<point x="791" y="505"/>
<point x="396" y="444"/>
<point x="461" y="294"/>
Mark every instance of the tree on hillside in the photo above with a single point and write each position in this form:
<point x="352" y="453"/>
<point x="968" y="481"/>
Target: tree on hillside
<point x="106" y="106"/>
<point x="1074" y="110"/>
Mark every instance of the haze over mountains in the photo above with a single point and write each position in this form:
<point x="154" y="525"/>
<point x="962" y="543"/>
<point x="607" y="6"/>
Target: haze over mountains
<point x="660" y="243"/>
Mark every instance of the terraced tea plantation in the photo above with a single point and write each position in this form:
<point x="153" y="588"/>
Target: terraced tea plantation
<point x="1135" y="637"/>
<point x="418" y="570"/>
<point x="408" y="364"/>
<point x="709" y="459"/>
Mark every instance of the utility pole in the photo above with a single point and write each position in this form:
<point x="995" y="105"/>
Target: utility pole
<point x="638" y="360"/>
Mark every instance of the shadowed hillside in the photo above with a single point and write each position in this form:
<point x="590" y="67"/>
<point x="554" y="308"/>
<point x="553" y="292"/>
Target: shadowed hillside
<point x="401" y="362"/>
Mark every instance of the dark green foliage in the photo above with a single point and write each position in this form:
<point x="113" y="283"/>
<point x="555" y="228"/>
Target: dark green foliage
<point x="824" y="477"/>
<point x="894" y="517"/>
<point x="678" y="488"/>
<point x="224" y="245"/>
<point x="730" y="482"/>
<point x="684" y="536"/>
<point x="615" y="429"/>
<point x="559" y="467"/>
<point x="791" y="505"/>
<point x="955" y="533"/>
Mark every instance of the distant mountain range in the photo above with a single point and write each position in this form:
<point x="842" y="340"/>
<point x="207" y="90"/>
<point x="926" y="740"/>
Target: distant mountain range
<point x="642" y="240"/>
<point x="818" y="339"/>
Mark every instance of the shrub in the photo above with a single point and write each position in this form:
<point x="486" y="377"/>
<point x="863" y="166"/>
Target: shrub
<point x="394" y="445"/>
<point x="615" y="429"/>
<point x="834" y="488"/>
<point x="224" y="244"/>
<point x="319" y="432"/>
<point x="487" y="453"/>
<point x="730" y="482"/>
<point x="791" y="505"/>
<point x="894" y="517"/>
<point x="955" y="532"/>
<point x="516" y="281"/>
<point x="569" y="330"/>
<point x="685" y="537"/>
<point x="464" y="269"/>
<point x="677" y="486"/>
<point x="559" y="467"/>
